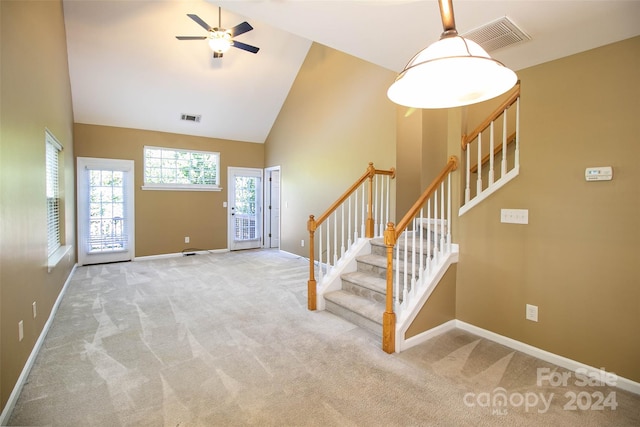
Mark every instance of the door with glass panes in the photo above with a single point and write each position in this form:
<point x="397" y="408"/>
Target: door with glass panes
<point x="244" y="208"/>
<point x="105" y="210"/>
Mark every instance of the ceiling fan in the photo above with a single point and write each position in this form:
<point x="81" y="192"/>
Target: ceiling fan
<point x="220" y="40"/>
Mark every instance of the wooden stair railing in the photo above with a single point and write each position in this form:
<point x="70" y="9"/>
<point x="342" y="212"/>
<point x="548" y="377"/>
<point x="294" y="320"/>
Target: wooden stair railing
<point x="508" y="167"/>
<point x="392" y="234"/>
<point x="369" y="189"/>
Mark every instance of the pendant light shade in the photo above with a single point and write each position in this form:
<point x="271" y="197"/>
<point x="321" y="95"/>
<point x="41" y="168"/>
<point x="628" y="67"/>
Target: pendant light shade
<point x="451" y="72"/>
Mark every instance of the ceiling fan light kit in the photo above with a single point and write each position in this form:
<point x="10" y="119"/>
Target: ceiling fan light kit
<point x="220" y="40"/>
<point x="451" y="72"/>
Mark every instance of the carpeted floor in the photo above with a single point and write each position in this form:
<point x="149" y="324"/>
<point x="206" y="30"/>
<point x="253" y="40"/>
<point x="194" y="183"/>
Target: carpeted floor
<point x="226" y="340"/>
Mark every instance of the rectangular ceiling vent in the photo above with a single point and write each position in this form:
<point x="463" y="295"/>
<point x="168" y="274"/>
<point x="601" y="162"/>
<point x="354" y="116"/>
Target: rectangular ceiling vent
<point x="497" y="34"/>
<point x="191" y="118"/>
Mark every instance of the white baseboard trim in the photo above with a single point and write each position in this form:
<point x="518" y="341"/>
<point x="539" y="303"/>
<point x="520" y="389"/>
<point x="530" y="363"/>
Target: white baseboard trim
<point x="17" y="389"/>
<point x="179" y="254"/>
<point x="402" y="345"/>
<point x="572" y="365"/>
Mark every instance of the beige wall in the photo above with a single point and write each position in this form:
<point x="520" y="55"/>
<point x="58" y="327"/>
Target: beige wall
<point x="577" y="258"/>
<point x="335" y="120"/>
<point x="439" y="308"/>
<point x="35" y="95"/>
<point x="164" y="218"/>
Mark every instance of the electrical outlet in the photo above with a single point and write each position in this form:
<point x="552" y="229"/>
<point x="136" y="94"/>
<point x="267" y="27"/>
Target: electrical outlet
<point x="186" y="239"/>
<point x="532" y="312"/>
<point x="35" y="311"/>
<point x="20" y="330"/>
<point x="302" y="243"/>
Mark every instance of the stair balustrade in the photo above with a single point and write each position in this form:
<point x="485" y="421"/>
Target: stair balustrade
<point x="490" y="178"/>
<point x="361" y="212"/>
<point x="422" y="241"/>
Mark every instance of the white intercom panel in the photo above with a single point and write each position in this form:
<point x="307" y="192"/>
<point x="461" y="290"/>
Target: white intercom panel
<point x="602" y="173"/>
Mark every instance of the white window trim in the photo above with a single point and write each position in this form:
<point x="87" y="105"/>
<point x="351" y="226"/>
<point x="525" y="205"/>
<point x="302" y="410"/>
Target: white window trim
<point x="180" y="187"/>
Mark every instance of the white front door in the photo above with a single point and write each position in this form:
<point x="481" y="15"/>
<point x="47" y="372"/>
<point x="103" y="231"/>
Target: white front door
<point x="245" y="208"/>
<point x="272" y="206"/>
<point x="105" y="210"/>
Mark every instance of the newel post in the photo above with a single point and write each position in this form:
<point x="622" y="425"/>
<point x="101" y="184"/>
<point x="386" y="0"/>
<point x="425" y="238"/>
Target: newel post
<point x="311" y="284"/>
<point x="370" y="224"/>
<point x="389" y="317"/>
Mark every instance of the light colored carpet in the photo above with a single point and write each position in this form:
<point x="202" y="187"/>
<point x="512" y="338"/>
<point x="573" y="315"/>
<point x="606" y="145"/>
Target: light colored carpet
<point x="226" y="340"/>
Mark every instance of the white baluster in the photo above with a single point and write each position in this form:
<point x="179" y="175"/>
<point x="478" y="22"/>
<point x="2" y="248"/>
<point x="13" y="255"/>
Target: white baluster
<point x="386" y="219"/>
<point x="442" y="232"/>
<point x="320" y="275"/>
<point x="355" y="216"/>
<point x="376" y="218"/>
<point x="429" y="237"/>
<point x="467" y="188"/>
<point x="328" y="244"/>
<point x="517" y="153"/>
<point x="479" y="169"/>
<point x="396" y="284"/>
<point x="503" y="170"/>
<point x="491" y="145"/>
<point x="342" y="236"/>
<point x="449" y="213"/>
<point x="364" y="209"/>
<point x="413" y="258"/>
<point x="335" y="237"/>
<point x="436" y="240"/>
<point x="421" y="269"/>
<point x="405" y="289"/>
<point x="349" y="228"/>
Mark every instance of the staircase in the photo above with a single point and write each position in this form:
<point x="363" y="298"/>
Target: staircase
<point x="362" y="297"/>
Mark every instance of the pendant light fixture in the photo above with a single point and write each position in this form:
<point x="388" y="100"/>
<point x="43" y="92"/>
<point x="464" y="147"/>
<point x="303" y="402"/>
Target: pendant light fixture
<point x="451" y="72"/>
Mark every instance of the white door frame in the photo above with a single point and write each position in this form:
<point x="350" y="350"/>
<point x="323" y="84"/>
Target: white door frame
<point x="268" y="207"/>
<point x="84" y="164"/>
<point x="232" y="244"/>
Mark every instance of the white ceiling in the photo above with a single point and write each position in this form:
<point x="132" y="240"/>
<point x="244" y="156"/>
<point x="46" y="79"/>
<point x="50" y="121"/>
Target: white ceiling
<point x="128" y="70"/>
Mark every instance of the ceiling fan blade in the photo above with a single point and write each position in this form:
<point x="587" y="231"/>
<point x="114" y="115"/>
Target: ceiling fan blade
<point x="191" y="37"/>
<point x="246" y="47"/>
<point x="200" y="22"/>
<point x="240" y="29"/>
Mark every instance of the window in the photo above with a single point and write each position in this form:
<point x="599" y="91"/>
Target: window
<point x="53" y="193"/>
<point x="176" y="169"/>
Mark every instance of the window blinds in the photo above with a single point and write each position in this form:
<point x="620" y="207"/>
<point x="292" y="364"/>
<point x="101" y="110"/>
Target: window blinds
<point x="53" y="193"/>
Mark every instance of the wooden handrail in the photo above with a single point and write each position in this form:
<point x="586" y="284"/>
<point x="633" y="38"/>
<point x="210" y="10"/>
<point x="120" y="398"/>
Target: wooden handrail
<point x="452" y="165"/>
<point x="496" y="150"/>
<point x="370" y="173"/>
<point x="466" y="139"/>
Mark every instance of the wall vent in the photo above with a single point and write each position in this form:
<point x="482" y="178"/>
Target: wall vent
<point x="191" y="118"/>
<point x="497" y="34"/>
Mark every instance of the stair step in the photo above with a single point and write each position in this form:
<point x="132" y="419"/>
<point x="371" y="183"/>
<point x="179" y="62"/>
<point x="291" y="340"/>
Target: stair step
<point x="365" y="285"/>
<point x="356" y="309"/>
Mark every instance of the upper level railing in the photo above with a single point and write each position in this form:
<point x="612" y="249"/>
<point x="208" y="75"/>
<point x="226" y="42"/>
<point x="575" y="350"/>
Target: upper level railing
<point x="362" y="211"/>
<point x="502" y="126"/>
<point x="422" y="238"/>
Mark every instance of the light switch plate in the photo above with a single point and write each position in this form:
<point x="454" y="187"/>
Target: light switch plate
<point x="514" y="216"/>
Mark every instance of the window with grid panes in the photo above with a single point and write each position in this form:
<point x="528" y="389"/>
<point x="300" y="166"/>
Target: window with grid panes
<point x="178" y="169"/>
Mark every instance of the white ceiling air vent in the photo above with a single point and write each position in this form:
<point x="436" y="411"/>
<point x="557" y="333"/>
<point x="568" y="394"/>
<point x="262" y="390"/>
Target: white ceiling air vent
<point x="497" y="34"/>
<point x="191" y="118"/>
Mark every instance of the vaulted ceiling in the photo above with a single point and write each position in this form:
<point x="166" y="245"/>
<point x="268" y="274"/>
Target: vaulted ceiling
<point x="127" y="68"/>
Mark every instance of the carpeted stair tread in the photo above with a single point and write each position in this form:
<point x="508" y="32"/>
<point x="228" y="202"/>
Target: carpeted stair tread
<point x="372" y="259"/>
<point x="365" y="307"/>
<point x="366" y="280"/>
